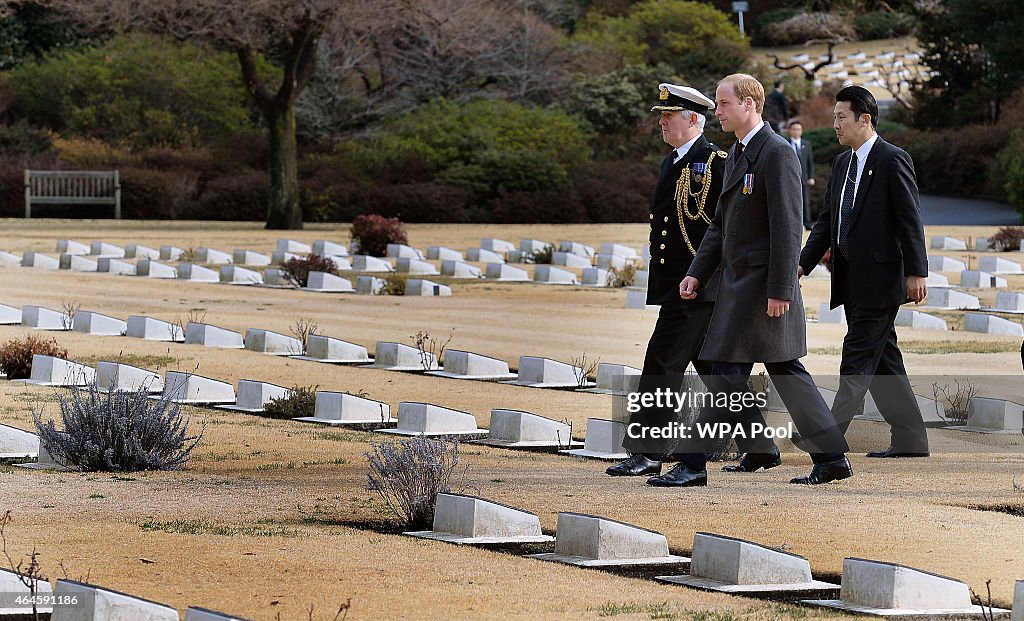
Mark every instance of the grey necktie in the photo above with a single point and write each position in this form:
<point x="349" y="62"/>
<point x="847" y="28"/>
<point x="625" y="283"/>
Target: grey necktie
<point x="846" y="209"/>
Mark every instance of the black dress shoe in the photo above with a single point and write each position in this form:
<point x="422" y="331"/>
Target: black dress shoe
<point x="680" y="476"/>
<point x="752" y="462"/>
<point x="891" y="452"/>
<point x="829" y="471"/>
<point x="635" y="466"/>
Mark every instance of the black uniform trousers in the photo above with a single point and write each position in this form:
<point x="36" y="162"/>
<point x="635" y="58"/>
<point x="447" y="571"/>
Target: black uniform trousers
<point x="822" y="438"/>
<point x="677" y="338"/>
<point x="872" y="361"/>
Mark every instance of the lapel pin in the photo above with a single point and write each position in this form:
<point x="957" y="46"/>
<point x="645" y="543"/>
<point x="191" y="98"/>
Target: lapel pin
<point x="871" y="172"/>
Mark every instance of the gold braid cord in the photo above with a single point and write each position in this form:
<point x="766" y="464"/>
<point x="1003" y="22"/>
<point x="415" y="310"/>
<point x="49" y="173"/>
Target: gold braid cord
<point x="683" y="194"/>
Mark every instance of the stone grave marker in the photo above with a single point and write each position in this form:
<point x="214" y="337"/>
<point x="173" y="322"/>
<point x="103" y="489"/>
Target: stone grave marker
<point x="241" y="256"/>
<point x="237" y="275"/>
<point x="470" y="520"/>
<point x="595" y="277"/>
<point x="941" y="263"/>
<point x="401" y="251"/>
<point x="603" y="441"/>
<point x="322" y="282"/>
<point x="392" y="356"/>
<point x="370" y="285"/>
<point x="58" y="372"/>
<point x="551" y="275"/>
<point x="325" y="247"/>
<point x="154" y="269"/>
<point x="197" y="273"/>
<point x="152" y="329"/>
<point x="181" y="387"/>
<point x="497" y="245"/>
<point x="592" y="541"/>
<point x="103" y="249"/>
<point x="40" y="261"/>
<point x="138" y="251"/>
<point x="516" y="429"/>
<point x="422" y="287"/>
<point x="17" y="443"/>
<point x="916" y="319"/>
<point x="576" y="248"/>
<point x="212" y="336"/>
<point x="537" y="372"/>
<point x="426" y="419"/>
<point x="88" y="322"/>
<point x="482" y="255"/>
<point x="211" y="256"/>
<point x="293" y="246"/>
<point x="99" y="604"/>
<point x="990" y="324"/>
<point x="42" y="318"/>
<point x="467" y="365"/>
<point x="320" y="348"/>
<point x="253" y="396"/>
<point x="831" y="315"/>
<point x="981" y="280"/>
<point x="339" y="409"/>
<point x="948" y="243"/>
<point x="273" y="343"/>
<point x="70" y="246"/>
<point x="106" y="265"/>
<point x="114" y="376"/>
<point x="999" y="265"/>
<point x="458" y="269"/>
<point x="9" y="315"/>
<point x="416" y="266"/>
<point x="951" y="299"/>
<point x="77" y="263"/>
<point x="501" y="271"/>
<point x="365" y="263"/>
<point x="171" y="253"/>
<point x="440" y="253"/>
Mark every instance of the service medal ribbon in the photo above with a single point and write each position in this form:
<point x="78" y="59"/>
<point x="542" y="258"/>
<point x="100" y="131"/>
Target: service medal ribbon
<point x="748" y="183"/>
<point x="699" y="169"/>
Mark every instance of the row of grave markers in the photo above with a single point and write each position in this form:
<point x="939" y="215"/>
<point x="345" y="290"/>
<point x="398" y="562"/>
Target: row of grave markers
<point x="717" y="563"/>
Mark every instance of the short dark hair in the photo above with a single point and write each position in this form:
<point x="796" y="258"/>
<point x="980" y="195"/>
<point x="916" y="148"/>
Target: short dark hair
<point x="861" y="102"/>
<point x="795" y="122"/>
<point x="778" y="83"/>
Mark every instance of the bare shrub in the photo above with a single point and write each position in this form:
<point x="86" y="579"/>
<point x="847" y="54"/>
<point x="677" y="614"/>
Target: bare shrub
<point x="299" y="403"/>
<point x="410" y="474"/>
<point x="430" y="349"/>
<point x="28" y="574"/>
<point x="16" y="355"/>
<point x="1007" y="239"/>
<point x="958" y="399"/>
<point x="70" y="307"/>
<point x="118" y="431"/>
<point x="195" y="315"/>
<point x="584" y="369"/>
<point x="625" y="277"/>
<point x="302" y="329"/>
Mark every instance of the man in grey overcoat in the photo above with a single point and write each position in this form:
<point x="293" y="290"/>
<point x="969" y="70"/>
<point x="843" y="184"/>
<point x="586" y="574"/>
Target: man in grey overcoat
<point x="758" y="316"/>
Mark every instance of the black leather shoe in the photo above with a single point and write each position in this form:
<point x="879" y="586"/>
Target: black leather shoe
<point x="680" y="476"/>
<point x="635" y="466"/>
<point x="891" y="452"/>
<point x="752" y="462"/>
<point x="835" y="470"/>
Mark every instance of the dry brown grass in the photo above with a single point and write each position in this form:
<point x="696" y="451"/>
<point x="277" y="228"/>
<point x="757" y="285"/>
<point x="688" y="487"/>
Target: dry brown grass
<point x="261" y="521"/>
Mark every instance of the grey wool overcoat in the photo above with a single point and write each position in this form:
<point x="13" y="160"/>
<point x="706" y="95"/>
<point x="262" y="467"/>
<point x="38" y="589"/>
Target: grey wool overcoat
<point x="755" y="239"/>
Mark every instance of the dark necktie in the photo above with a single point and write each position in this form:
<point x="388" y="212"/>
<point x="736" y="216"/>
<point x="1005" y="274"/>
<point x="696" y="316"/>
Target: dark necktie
<point x="739" y="150"/>
<point x="846" y="209"/>
<point x="796" y="145"/>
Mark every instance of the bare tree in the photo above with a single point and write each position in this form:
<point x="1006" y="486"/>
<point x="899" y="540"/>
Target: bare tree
<point x="288" y="32"/>
<point x="808" y="73"/>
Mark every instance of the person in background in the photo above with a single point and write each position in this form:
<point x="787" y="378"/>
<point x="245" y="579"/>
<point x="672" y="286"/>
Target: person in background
<point x="805" y="154"/>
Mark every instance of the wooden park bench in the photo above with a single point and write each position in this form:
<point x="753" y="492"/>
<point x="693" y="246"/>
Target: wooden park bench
<point x="66" y="187"/>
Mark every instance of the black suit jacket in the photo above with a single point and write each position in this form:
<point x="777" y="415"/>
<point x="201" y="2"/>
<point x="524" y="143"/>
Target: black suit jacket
<point x="886" y="236"/>
<point x="670" y="256"/>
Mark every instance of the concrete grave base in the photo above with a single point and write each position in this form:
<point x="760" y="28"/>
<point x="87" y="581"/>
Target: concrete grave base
<point x="16" y="443"/>
<point x="294" y="246"/>
<point x="138" y="251"/>
<point x="945" y="264"/>
<point x="322" y="282"/>
<point x="996" y="416"/>
<point x="483" y="255"/>
<point x="366" y="263"/>
<point x="550" y="275"/>
<point x="106" y="265"/>
<point x="979" y="279"/>
<point x="325" y="247"/>
<point x="947" y="243"/>
<point x="241" y="256"/>
<point x="576" y="248"/>
<point x="339" y="409"/>
<point x="603" y="441"/>
<point x="212" y="336"/>
<point x="592" y="541"/>
<point x="42" y="318"/>
<point x="637" y="299"/>
<point x="89" y="322"/>
<point x="113" y="376"/>
<point x="909" y="318"/>
<point x="831" y="315"/>
<point x="11" y="585"/>
<point x="615" y="379"/>
<point x="497" y="245"/>
<point x="401" y="251"/>
<point x="595" y="277"/>
<point x="9" y="315"/>
<point x="455" y="268"/>
<point x="611" y="261"/>
<point x="999" y="265"/>
<point x="370" y="285"/>
<point x="236" y="275"/>
<point x="153" y="269"/>
<point x="212" y="257"/>
<point x="70" y="246"/>
<point x="501" y="271"/>
<point x="320" y="348"/>
<point x="39" y="260"/>
<point x="253" y="395"/>
<point x="44" y="461"/>
<point x="912" y="614"/>
<point x="440" y="253"/>
<point x="990" y="324"/>
<point x="272" y="343"/>
<point x="399" y="357"/>
<point x="516" y="429"/>
<point x="568" y="259"/>
<point x="731" y="565"/>
<point x="419" y="267"/>
<point x="171" y="253"/>
<point x="141" y="327"/>
<point x="426" y="419"/>
<point x="197" y="273"/>
<point x="10" y="259"/>
<point x="51" y="371"/>
<point x="468" y="520"/>
<point x="936" y="279"/>
<point x="426" y="288"/>
<point x="467" y="365"/>
<point x="950" y="299"/>
<point x="536" y="372"/>
<point x="104" y="604"/>
<point x="618" y="250"/>
<point x="180" y="387"/>
<point x="77" y="263"/>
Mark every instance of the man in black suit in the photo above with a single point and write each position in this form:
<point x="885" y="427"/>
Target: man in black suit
<point x="776" y="109"/>
<point x="681" y="209"/>
<point x="805" y="154"/>
<point x="759" y="317"/>
<point x="872" y="225"/>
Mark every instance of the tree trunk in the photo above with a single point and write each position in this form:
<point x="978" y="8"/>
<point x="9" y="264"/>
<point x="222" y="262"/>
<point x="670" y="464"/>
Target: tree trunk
<point x="283" y="210"/>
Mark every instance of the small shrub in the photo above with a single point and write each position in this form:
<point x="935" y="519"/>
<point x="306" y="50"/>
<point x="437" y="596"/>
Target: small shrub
<point x="16" y="355"/>
<point x="118" y="431"/>
<point x="394" y="284"/>
<point x="542" y="256"/>
<point x="882" y="25"/>
<point x="22" y="138"/>
<point x="1007" y="239"/>
<point x="241" y="196"/>
<point x="624" y="277"/>
<point x="773" y="16"/>
<point x="430" y="348"/>
<point x="301" y="402"/>
<point x="373" y="233"/>
<point x="958" y="399"/>
<point x="297" y="269"/>
<point x="410" y="474"/>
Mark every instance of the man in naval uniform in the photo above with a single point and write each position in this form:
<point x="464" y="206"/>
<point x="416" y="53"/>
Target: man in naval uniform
<point x="682" y="208"/>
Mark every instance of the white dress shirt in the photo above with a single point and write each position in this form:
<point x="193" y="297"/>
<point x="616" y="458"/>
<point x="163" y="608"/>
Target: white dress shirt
<point x="683" y="150"/>
<point x="746" y="139"/>
<point x="862" y="158"/>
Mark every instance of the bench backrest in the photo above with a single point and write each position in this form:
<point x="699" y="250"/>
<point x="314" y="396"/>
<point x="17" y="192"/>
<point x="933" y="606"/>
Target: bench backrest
<point x="63" y="187"/>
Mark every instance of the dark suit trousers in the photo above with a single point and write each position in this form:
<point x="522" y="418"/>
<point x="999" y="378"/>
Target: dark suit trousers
<point x="676" y="341"/>
<point x="872" y="361"/>
<point x="811" y="416"/>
